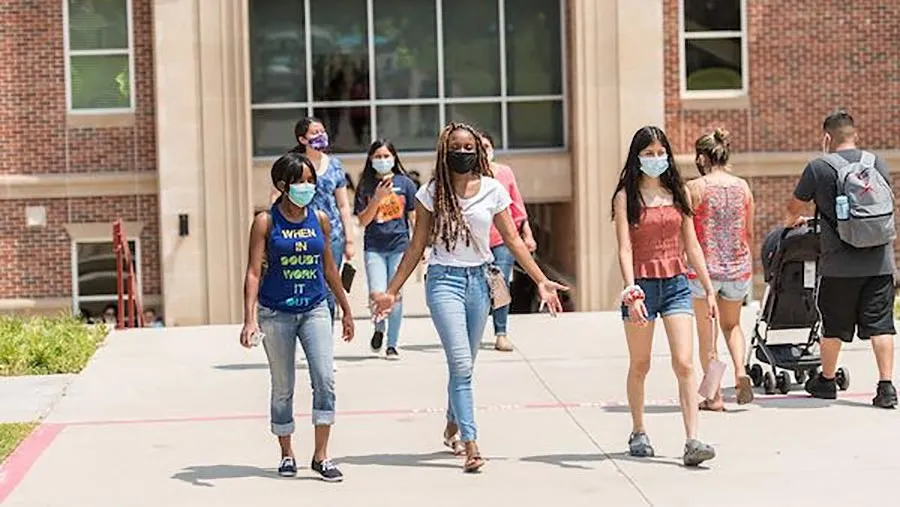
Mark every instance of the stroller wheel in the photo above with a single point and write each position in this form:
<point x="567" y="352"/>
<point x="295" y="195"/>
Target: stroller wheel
<point x="783" y="382"/>
<point x="800" y="377"/>
<point x="769" y="383"/>
<point x="756" y="374"/>
<point x="842" y="377"/>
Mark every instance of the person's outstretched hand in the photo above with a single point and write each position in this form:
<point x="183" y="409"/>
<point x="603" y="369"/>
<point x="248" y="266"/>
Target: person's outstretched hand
<point x="549" y="293"/>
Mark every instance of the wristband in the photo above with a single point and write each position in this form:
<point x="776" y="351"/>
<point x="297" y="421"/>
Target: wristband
<point x="631" y="294"/>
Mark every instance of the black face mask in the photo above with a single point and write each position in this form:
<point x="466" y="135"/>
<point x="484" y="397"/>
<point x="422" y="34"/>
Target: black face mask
<point x="462" y="162"/>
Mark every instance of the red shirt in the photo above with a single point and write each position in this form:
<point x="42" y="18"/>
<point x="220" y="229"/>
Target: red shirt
<point x="504" y="174"/>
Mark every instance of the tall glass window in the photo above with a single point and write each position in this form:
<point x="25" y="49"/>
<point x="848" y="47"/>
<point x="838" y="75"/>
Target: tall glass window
<point x="402" y="68"/>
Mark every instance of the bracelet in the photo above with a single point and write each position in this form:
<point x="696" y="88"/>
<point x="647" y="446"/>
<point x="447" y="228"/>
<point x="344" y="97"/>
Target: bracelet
<point x="631" y="294"/>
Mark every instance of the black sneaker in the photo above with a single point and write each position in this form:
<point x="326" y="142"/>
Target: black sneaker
<point x="821" y="387"/>
<point x="886" y="395"/>
<point x="377" y="340"/>
<point x="391" y="354"/>
<point x="287" y="467"/>
<point x="327" y="470"/>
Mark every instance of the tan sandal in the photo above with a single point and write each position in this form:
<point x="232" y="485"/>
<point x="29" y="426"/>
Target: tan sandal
<point x="454" y="444"/>
<point x="744" y="390"/>
<point x="503" y="344"/>
<point x="473" y="464"/>
<point x="709" y="406"/>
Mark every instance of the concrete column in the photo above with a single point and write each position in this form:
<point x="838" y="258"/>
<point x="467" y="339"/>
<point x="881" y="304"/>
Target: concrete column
<point x="204" y="156"/>
<point x="225" y="101"/>
<point x="180" y="161"/>
<point x="617" y="86"/>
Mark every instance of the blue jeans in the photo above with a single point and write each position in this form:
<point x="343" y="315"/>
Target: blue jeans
<point x="664" y="297"/>
<point x="459" y="300"/>
<point x="282" y="331"/>
<point x="380" y="267"/>
<point x="337" y="251"/>
<point x="504" y="260"/>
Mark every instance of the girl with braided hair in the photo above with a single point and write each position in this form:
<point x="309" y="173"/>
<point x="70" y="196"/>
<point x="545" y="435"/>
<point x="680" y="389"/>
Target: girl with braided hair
<point x="454" y="212"/>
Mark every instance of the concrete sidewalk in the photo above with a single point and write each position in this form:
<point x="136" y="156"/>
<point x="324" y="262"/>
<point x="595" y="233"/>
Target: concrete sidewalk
<point x="178" y="417"/>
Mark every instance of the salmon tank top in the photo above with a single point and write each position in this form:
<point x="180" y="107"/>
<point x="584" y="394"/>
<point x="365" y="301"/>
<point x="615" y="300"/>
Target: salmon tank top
<point x="656" y="246"/>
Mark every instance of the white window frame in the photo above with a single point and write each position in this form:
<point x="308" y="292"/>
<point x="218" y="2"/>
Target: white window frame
<point x="77" y="299"/>
<point x="69" y="53"/>
<point x="441" y="101"/>
<point x="684" y="36"/>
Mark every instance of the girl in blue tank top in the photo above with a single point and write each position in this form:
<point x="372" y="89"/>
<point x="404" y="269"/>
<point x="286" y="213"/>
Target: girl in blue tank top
<point x="286" y="302"/>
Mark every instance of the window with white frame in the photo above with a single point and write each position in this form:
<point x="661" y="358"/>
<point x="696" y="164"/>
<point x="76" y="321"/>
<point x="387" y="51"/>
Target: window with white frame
<point x="401" y="69"/>
<point x="94" y="278"/>
<point x="99" y="66"/>
<point x="713" y="48"/>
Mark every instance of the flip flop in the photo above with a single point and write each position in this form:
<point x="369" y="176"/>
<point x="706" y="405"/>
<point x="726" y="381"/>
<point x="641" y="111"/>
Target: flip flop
<point x="473" y="464"/>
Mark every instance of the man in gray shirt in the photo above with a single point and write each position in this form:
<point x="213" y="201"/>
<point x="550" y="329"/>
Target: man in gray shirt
<point x="856" y="290"/>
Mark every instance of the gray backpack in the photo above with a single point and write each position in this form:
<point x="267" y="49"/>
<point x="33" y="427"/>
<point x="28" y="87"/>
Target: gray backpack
<point x="870" y="199"/>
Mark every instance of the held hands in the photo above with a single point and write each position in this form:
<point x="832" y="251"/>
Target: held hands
<point x="633" y="299"/>
<point x="548" y="290"/>
<point x="530" y="244"/>
<point x="381" y="305"/>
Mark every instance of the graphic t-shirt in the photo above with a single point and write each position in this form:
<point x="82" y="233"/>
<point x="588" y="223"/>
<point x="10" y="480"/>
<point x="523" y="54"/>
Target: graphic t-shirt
<point x="478" y="211"/>
<point x="294" y="280"/>
<point x="388" y="232"/>
<point x="838" y="259"/>
<point x="328" y="180"/>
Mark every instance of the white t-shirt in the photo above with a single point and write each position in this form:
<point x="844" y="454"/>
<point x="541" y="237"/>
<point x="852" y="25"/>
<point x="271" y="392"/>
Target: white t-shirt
<point x="478" y="211"/>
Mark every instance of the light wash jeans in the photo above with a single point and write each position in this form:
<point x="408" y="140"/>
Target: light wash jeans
<point x="380" y="267"/>
<point x="313" y="329"/>
<point x="503" y="259"/>
<point x="459" y="300"/>
<point x="337" y="251"/>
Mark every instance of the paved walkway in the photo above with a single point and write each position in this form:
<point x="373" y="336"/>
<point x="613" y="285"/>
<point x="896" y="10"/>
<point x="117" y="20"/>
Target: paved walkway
<point x="178" y="417"/>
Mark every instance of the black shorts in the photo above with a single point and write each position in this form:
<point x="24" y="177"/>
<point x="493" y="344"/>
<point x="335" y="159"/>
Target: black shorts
<point x="864" y="305"/>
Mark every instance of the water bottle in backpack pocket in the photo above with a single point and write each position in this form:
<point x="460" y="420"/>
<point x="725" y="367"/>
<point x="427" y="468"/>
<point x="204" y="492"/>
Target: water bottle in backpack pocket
<point x="864" y="206"/>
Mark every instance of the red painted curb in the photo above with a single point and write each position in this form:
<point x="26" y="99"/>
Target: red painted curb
<point x="17" y="465"/>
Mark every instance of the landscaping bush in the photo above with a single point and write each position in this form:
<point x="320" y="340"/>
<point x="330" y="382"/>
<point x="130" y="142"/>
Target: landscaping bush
<point x="31" y="345"/>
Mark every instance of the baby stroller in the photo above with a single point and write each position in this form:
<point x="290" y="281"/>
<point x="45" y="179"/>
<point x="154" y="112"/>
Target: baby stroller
<point x="790" y="264"/>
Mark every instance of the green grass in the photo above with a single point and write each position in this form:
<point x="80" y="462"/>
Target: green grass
<point x="10" y="436"/>
<point x="46" y="345"/>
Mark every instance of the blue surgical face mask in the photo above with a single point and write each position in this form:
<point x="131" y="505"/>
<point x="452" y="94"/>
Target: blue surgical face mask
<point x="383" y="165"/>
<point x="654" y="166"/>
<point x="302" y="194"/>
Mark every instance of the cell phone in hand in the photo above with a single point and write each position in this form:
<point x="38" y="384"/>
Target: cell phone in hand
<point x="256" y="338"/>
<point x="347" y="274"/>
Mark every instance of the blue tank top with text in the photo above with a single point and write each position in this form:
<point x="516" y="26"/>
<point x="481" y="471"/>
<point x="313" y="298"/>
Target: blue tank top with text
<point x="294" y="280"/>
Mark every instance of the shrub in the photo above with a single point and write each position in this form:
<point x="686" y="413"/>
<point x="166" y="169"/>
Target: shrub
<point x="46" y="345"/>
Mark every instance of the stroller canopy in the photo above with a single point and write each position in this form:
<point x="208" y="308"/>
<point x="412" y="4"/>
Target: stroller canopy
<point x="783" y="244"/>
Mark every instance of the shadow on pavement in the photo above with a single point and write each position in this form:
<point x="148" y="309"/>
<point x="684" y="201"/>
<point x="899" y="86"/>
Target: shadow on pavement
<point x="403" y="460"/>
<point x="203" y="475"/>
<point x="583" y="461"/>
<point x="300" y="365"/>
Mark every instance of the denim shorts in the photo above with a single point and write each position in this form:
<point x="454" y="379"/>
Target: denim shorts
<point x="731" y="290"/>
<point x="664" y="297"/>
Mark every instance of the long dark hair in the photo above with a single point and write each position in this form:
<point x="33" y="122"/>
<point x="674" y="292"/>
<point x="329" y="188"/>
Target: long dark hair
<point x="369" y="179"/>
<point x="630" y="177"/>
<point x="449" y="224"/>
<point x="300" y="130"/>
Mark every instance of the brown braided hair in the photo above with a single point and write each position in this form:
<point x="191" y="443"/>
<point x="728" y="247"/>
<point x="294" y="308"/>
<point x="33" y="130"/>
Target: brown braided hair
<point x="449" y="224"/>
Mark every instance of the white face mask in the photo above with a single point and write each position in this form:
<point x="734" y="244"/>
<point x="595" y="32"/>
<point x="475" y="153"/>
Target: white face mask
<point x="490" y="154"/>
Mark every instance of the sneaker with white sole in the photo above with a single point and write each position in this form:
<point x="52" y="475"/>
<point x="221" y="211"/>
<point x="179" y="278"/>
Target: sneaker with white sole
<point x="287" y="467"/>
<point x="327" y="470"/>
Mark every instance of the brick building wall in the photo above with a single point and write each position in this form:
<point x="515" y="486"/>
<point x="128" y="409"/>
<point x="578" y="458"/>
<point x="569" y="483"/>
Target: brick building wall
<point x="803" y="63"/>
<point x="39" y="137"/>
